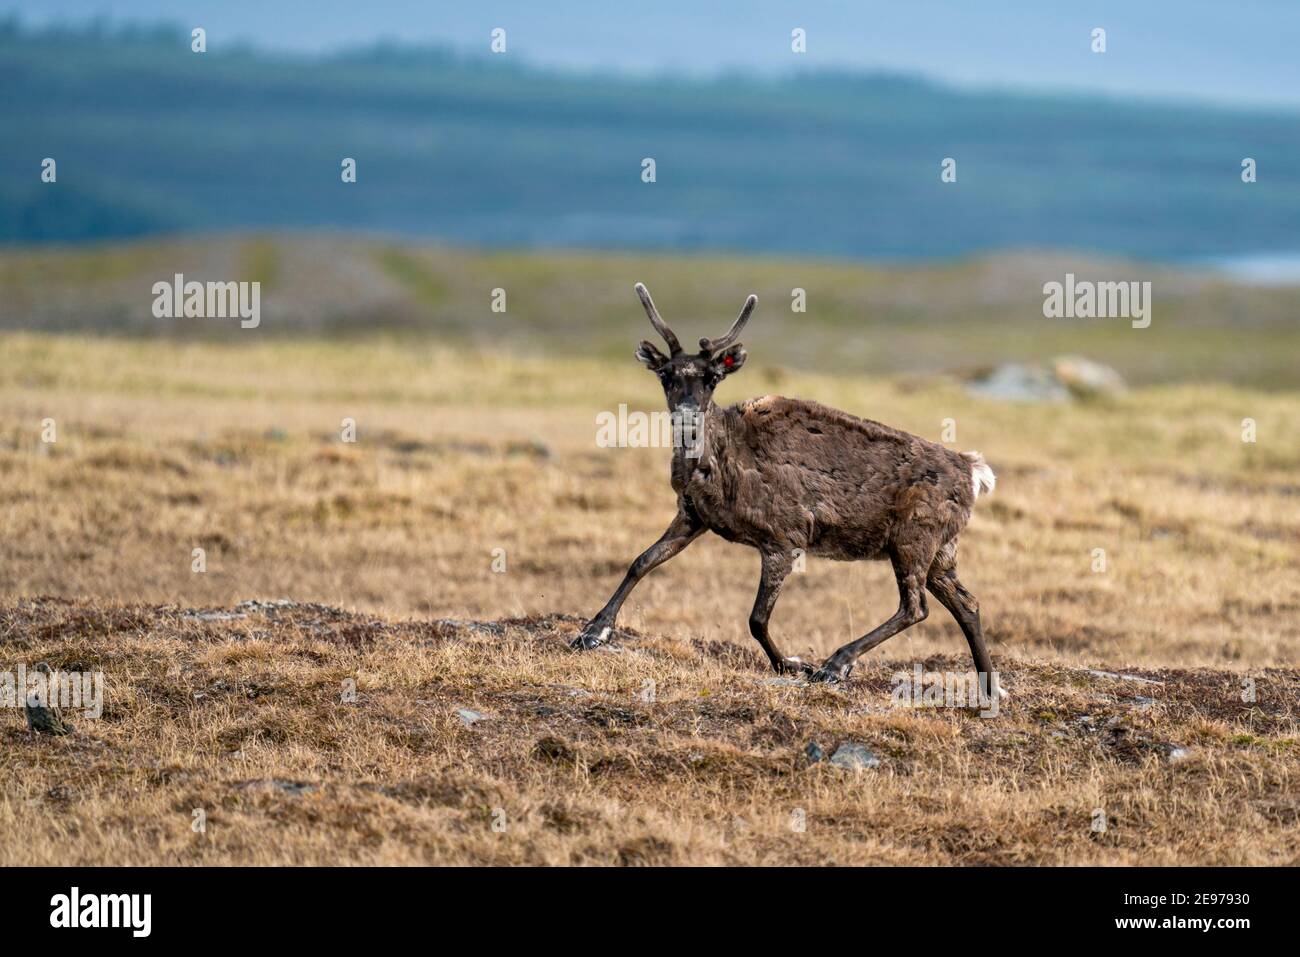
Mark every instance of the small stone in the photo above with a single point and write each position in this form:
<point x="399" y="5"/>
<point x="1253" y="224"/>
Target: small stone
<point x="814" y="752"/>
<point x="1019" y="382"/>
<point x="854" y="757"/>
<point x="1178" y="753"/>
<point x="214" y="616"/>
<point x="1119" y="677"/>
<point x="469" y="716"/>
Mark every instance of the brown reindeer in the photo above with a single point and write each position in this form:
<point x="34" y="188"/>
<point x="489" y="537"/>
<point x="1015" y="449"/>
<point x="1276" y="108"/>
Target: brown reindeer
<point x="788" y="475"/>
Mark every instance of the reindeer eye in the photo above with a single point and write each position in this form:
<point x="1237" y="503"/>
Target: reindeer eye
<point x="728" y="361"/>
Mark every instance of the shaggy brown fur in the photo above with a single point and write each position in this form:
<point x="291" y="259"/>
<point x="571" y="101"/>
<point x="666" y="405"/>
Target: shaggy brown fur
<point x="789" y="476"/>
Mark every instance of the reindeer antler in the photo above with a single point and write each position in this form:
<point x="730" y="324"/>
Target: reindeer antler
<point x="717" y="345"/>
<point x="661" y="327"/>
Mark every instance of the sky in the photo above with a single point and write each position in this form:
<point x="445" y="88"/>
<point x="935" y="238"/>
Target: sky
<point x="1241" y="52"/>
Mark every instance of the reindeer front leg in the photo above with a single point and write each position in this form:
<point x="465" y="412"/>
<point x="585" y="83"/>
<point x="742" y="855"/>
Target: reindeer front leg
<point x="684" y="530"/>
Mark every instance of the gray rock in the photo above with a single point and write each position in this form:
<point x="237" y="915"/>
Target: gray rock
<point x="214" y="615"/>
<point x="43" y="714"/>
<point x="1062" y="379"/>
<point x="470" y="717"/>
<point x="1020" y="382"/>
<point x="854" y="757"/>
<point x="814" y="752"/>
<point x="1119" y="677"/>
<point x="494" y="628"/>
<point x="1178" y="753"/>
<point x="254" y="605"/>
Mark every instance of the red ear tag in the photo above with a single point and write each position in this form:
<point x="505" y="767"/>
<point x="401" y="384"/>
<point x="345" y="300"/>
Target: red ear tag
<point x="728" y="361"/>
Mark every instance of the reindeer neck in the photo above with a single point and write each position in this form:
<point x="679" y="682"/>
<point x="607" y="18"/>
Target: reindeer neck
<point x="702" y="454"/>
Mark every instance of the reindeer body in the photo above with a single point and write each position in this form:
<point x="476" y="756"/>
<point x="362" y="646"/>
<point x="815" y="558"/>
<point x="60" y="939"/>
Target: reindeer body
<point x="786" y="476"/>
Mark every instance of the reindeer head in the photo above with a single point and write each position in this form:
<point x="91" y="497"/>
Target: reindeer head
<point x="689" y="380"/>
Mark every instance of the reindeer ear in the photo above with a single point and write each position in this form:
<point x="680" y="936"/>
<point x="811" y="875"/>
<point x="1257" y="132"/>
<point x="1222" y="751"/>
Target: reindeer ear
<point x="729" y="360"/>
<point x="650" y="357"/>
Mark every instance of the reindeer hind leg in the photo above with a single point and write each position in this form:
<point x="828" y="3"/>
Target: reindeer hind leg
<point x="912" y="609"/>
<point x="943" y="583"/>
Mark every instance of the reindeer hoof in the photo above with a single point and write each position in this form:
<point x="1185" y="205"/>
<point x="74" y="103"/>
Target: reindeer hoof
<point x="592" y="636"/>
<point x="794" y="666"/>
<point x="831" y="673"/>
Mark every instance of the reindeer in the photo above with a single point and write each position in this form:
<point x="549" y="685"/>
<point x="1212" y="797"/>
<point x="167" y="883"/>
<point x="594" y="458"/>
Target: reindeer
<point x="786" y="475"/>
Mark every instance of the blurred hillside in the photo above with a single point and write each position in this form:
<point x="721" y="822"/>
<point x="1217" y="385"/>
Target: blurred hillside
<point x="860" y="318"/>
<point x="150" y="137"/>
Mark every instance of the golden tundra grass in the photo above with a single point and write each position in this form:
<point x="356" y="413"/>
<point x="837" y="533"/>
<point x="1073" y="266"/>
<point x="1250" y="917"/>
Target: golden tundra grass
<point x="164" y="448"/>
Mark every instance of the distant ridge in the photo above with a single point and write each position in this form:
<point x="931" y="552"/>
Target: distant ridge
<point x="152" y="138"/>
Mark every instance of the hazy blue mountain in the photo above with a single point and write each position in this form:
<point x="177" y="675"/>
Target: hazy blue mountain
<point x="1241" y="53"/>
<point x="150" y="137"/>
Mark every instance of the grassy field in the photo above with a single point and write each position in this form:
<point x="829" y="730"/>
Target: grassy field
<point x="568" y="759"/>
<point x="466" y="456"/>
<point x="859" y="318"/>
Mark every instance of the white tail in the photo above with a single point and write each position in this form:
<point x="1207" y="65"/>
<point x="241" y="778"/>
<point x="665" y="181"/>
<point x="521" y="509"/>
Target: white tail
<point x="981" y="475"/>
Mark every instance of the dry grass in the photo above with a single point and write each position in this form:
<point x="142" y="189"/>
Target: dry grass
<point x="244" y="720"/>
<point x="162" y="448"/>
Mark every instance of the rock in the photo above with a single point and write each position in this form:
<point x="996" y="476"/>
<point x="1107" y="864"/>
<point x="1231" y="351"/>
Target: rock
<point x="1178" y="753"/>
<point x="42" y="708"/>
<point x="1060" y="380"/>
<point x="470" y="717"/>
<point x="854" y="757"/>
<point x="213" y="615"/>
<point x="254" y="605"/>
<point x="1020" y="382"/>
<point x="1087" y="379"/>
<point x="814" y="752"/>
<point x="494" y="628"/>
<point x="1119" y="677"/>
